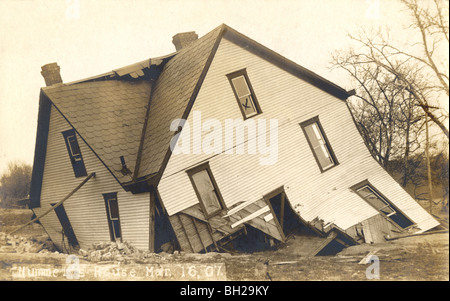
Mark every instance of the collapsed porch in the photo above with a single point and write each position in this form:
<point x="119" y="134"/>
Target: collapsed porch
<point x="254" y="226"/>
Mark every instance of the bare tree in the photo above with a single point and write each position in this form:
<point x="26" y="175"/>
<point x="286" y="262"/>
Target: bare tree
<point x="384" y="111"/>
<point x="399" y="85"/>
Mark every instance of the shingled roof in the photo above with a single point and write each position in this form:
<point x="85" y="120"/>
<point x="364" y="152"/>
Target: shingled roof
<point x="173" y="96"/>
<point x="128" y="111"/>
<point x="108" y="115"/>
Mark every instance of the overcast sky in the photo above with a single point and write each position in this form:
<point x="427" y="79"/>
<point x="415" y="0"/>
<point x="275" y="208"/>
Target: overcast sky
<point x="87" y="37"/>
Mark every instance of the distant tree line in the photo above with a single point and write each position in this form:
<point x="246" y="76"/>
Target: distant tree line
<point x="15" y="185"/>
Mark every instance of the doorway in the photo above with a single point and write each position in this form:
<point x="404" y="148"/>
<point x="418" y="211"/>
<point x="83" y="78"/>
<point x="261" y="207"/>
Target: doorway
<point x="67" y="229"/>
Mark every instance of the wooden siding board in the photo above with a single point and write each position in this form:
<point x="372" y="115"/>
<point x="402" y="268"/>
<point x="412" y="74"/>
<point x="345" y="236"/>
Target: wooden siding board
<point x="86" y="208"/>
<point x="180" y="233"/>
<point x="191" y="233"/>
<point x="311" y="193"/>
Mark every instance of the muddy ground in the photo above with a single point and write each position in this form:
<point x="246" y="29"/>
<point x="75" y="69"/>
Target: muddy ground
<point x="29" y="256"/>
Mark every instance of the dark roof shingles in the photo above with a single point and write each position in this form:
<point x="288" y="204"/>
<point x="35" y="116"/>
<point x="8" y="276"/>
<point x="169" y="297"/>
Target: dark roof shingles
<point x="109" y="115"/>
<point x="172" y="92"/>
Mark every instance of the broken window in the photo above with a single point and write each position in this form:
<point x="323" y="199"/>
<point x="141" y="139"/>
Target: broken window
<point x="381" y="203"/>
<point x="319" y="144"/>
<point x="244" y="93"/>
<point x="206" y="189"/>
<point x="112" y="212"/>
<point x="73" y="149"/>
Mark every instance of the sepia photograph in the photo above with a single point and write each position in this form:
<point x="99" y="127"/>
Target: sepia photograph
<point x="222" y="147"/>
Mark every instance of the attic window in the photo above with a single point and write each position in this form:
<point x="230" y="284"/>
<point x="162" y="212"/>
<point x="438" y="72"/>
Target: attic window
<point x="381" y="203"/>
<point x="206" y="189"/>
<point x="320" y="146"/>
<point x="73" y="149"/>
<point x="244" y="93"/>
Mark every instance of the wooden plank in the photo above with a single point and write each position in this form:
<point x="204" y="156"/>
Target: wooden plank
<point x="367" y="233"/>
<point x="193" y="238"/>
<point x="204" y="233"/>
<point x="269" y="228"/>
<point x="182" y="240"/>
<point x="198" y="233"/>
<point x="251" y="216"/>
<point x="239" y="207"/>
<point x="268" y="217"/>
<point x="185" y="233"/>
<point x="212" y="237"/>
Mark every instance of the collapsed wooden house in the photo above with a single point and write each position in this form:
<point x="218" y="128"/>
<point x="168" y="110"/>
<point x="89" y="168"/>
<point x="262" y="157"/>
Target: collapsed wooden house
<point x="111" y="138"/>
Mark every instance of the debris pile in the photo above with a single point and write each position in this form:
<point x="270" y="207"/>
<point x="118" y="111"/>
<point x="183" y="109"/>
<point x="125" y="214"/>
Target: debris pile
<point x="20" y="244"/>
<point x="124" y="252"/>
<point x="121" y="252"/>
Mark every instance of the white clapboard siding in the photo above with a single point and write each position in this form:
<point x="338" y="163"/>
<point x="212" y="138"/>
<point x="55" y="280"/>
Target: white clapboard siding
<point x="291" y="101"/>
<point x="86" y="208"/>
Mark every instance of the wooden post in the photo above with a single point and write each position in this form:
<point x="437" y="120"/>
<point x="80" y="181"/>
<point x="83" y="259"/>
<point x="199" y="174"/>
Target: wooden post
<point x="427" y="154"/>
<point x="151" y="238"/>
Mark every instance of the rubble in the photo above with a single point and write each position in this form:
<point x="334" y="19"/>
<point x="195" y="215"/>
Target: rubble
<point x="121" y="252"/>
<point x="124" y="252"/>
<point x="20" y="244"/>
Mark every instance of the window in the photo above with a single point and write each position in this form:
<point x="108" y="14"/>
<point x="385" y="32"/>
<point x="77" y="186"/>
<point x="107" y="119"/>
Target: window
<point x="319" y="144"/>
<point x="244" y="93"/>
<point x="112" y="212"/>
<point x="206" y="189"/>
<point x="74" y="152"/>
<point x="381" y="203"/>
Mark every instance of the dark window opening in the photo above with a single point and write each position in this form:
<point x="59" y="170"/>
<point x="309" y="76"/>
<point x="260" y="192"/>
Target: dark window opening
<point x="206" y="189"/>
<point x="165" y="238"/>
<point x="67" y="229"/>
<point x="372" y="196"/>
<point x="319" y="144"/>
<point x="112" y="212"/>
<point x="73" y="149"/>
<point x="244" y="93"/>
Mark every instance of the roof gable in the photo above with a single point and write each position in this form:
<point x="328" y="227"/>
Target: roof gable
<point x="172" y="97"/>
<point x="108" y="115"/>
<point x="177" y="87"/>
<point x="128" y="111"/>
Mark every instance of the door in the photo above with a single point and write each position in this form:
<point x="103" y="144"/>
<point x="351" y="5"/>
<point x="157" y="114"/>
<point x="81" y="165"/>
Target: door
<point x="66" y="226"/>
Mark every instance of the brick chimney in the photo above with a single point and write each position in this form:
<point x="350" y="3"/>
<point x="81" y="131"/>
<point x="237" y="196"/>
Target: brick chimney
<point x="184" y="39"/>
<point x="51" y="74"/>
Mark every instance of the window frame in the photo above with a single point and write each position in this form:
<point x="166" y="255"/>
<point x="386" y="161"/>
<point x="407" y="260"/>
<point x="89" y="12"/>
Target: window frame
<point x="196" y="169"/>
<point x="76" y="160"/>
<point x="111" y="221"/>
<point x="355" y="188"/>
<point x="243" y="72"/>
<point x="315" y="120"/>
